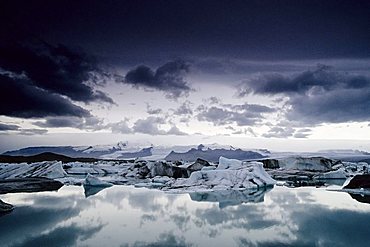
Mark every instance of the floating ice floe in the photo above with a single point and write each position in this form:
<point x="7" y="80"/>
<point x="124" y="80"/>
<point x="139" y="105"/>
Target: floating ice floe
<point x="200" y="175"/>
<point x="46" y="169"/>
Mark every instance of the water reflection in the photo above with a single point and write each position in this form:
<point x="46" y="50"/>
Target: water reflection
<point x="42" y="220"/>
<point x="92" y="190"/>
<point x="361" y="197"/>
<point x="127" y="216"/>
<point x="230" y="197"/>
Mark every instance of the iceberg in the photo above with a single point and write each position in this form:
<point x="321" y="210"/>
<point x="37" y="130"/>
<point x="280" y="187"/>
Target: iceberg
<point x="230" y="174"/>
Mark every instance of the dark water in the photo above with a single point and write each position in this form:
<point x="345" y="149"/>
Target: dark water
<point x="127" y="216"/>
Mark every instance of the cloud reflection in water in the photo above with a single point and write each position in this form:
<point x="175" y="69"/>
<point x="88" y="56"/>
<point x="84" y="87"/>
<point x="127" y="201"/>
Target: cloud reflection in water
<point x="127" y="216"/>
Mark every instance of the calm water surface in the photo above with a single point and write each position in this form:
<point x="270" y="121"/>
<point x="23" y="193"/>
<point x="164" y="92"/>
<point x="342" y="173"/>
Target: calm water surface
<point x="127" y="216"/>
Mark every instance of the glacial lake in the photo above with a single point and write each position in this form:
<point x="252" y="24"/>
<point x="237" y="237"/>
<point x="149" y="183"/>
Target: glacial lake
<point x="128" y="216"/>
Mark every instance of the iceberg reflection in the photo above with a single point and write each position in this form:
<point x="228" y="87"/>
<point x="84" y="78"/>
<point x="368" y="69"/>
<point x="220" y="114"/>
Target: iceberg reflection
<point x="230" y="197"/>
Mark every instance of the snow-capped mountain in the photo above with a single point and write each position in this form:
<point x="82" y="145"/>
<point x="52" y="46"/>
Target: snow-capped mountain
<point x="210" y="152"/>
<point x="125" y="150"/>
<point x="120" y="150"/>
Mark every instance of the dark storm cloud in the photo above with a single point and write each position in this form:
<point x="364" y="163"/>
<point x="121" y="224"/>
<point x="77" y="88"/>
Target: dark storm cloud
<point x="6" y="127"/>
<point x="221" y="66"/>
<point x="322" y="79"/>
<point x="20" y="98"/>
<point x="157" y="29"/>
<point x="57" y="69"/>
<point x="339" y="106"/>
<point x="168" y="78"/>
<point x="242" y="115"/>
<point x="38" y="79"/>
<point x="317" y="96"/>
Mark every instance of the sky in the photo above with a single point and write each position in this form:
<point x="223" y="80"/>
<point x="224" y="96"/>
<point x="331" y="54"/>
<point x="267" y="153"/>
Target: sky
<point x="282" y="75"/>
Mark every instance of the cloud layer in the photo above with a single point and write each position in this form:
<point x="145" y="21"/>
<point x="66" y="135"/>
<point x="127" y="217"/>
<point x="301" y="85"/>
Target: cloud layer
<point x="150" y="125"/>
<point x="241" y="115"/>
<point x="317" y="96"/>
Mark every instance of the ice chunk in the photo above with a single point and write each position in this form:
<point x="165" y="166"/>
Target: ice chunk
<point x="208" y="168"/>
<point x="90" y="180"/>
<point x="149" y="185"/>
<point x="225" y="163"/>
<point x="162" y="180"/>
<point x="338" y="174"/>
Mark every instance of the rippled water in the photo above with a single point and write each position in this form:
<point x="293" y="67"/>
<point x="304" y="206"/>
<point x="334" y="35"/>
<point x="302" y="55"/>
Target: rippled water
<point x="127" y="216"/>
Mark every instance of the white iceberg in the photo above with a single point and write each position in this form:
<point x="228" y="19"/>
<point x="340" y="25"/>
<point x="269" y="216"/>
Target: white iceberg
<point x="230" y="174"/>
<point x="225" y="163"/>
